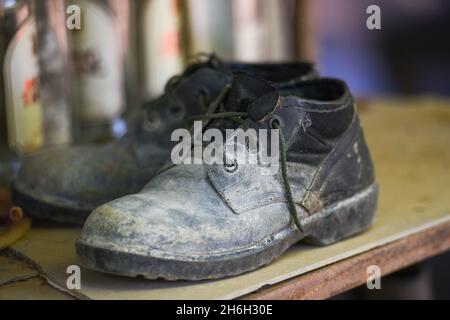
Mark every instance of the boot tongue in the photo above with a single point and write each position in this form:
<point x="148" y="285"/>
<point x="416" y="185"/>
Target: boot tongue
<point x="253" y="95"/>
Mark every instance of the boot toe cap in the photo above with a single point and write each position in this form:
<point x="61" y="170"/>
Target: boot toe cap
<point x="77" y="177"/>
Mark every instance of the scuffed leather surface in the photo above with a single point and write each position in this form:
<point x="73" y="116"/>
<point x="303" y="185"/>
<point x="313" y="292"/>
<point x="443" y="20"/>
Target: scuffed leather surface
<point x="84" y="177"/>
<point x="179" y="214"/>
<point x="150" y="143"/>
<point x="200" y="211"/>
<point x="347" y="170"/>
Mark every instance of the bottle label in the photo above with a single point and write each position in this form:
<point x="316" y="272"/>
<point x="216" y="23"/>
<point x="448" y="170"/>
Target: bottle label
<point x="23" y="107"/>
<point x="96" y="53"/>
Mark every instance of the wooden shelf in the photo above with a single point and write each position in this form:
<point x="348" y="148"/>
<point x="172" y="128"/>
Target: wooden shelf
<point x="350" y="273"/>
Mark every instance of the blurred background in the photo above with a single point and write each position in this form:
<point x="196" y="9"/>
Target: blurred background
<point x="61" y="85"/>
<point x="131" y="48"/>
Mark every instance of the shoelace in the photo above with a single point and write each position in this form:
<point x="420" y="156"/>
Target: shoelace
<point x="240" y="118"/>
<point x="217" y="110"/>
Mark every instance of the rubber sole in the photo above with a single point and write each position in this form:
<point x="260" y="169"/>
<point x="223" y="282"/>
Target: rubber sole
<point x="41" y="210"/>
<point x="342" y="220"/>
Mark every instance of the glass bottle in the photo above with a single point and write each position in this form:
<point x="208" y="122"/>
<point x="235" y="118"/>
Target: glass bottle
<point x="98" y="54"/>
<point x="21" y="116"/>
<point x="34" y="104"/>
<point x="211" y="24"/>
<point x="54" y="70"/>
<point x="264" y="30"/>
<point x="162" y="52"/>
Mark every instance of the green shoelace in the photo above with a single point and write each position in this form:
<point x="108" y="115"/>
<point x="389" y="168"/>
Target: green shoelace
<point x="216" y="110"/>
<point x="240" y="117"/>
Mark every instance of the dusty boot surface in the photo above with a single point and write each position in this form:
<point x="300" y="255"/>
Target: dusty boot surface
<point x="208" y="221"/>
<point x="66" y="184"/>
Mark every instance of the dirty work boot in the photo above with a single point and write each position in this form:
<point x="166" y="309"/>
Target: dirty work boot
<point x="66" y="184"/>
<point x="202" y="221"/>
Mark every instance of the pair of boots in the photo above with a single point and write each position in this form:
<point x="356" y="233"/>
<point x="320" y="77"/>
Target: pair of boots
<point x="198" y="220"/>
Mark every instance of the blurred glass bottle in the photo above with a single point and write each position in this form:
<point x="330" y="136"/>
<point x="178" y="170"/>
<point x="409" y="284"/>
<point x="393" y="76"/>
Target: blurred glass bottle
<point x="264" y="30"/>
<point x="245" y="30"/>
<point x="54" y="71"/>
<point x="98" y="55"/>
<point x="162" y="43"/>
<point x="21" y="116"/>
<point x="211" y="24"/>
<point x="34" y="108"/>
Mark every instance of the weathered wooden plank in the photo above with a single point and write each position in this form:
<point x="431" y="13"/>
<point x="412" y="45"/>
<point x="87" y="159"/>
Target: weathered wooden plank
<point x="350" y="273"/>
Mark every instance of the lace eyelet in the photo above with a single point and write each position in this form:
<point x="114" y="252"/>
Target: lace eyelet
<point x="275" y="122"/>
<point x="231" y="168"/>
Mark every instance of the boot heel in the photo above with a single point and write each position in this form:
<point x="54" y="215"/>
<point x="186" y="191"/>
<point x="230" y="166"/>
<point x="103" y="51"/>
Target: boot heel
<point x="343" y="219"/>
